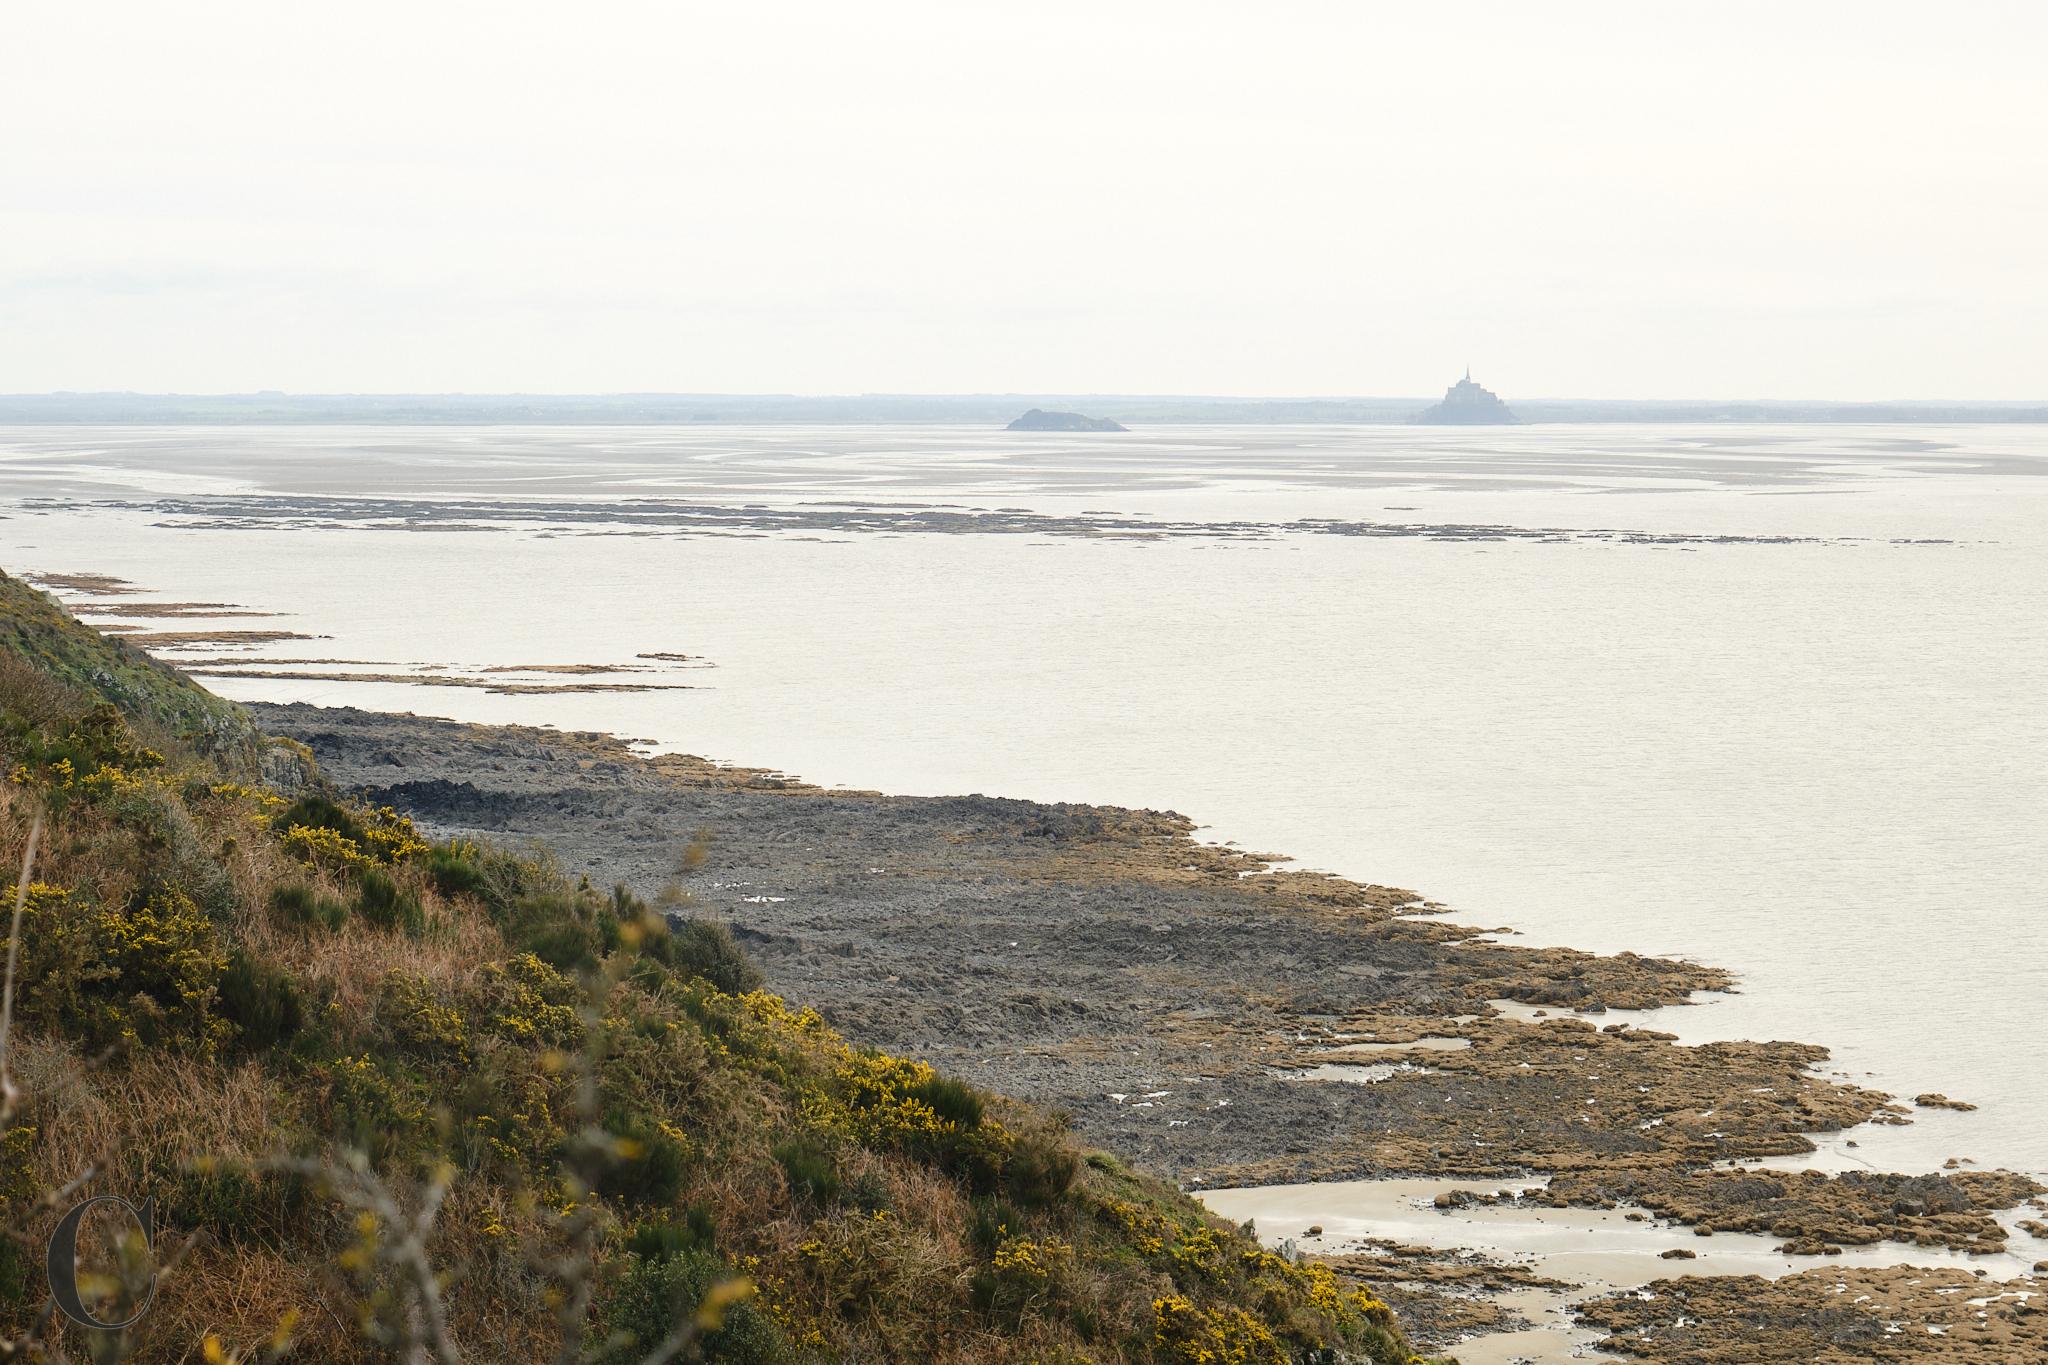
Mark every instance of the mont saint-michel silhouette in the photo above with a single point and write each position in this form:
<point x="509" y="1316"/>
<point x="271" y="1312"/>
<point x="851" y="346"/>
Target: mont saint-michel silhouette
<point x="1468" y="404"/>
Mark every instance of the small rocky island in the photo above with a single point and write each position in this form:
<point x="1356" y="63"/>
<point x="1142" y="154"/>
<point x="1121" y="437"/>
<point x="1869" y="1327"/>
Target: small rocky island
<point x="1038" y="419"/>
<point x="1469" y="404"/>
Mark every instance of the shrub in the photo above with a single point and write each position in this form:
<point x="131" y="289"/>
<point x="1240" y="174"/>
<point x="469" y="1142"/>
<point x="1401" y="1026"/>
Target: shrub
<point x="321" y="832"/>
<point x="954" y="1101"/>
<point x="1023" y="1273"/>
<point x="555" y="927"/>
<point x="420" y="1019"/>
<point x="869" y="1193"/>
<point x="505" y="876"/>
<point x="1039" y="1168"/>
<point x="303" y="904"/>
<point x="1182" y="1331"/>
<point x="146" y="974"/>
<point x="989" y="1221"/>
<point x="373" y="1113"/>
<point x="390" y="837"/>
<point x="811" y="1169"/>
<point x="883" y="1101"/>
<point x="571" y="946"/>
<point x="317" y="812"/>
<point x="234" y="1204"/>
<point x="524" y="1000"/>
<point x="641" y="928"/>
<point x="93" y="756"/>
<point x="454" y="869"/>
<point x="659" y="1240"/>
<point x="319" y="847"/>
<point x="507" y="1112"/>
<point x="261" y="1000"/>
<point x="653" y="1163"/>
<point x="706" y="948"/>
<point x="653" y="1295"/>
<point x="384" y="903"/>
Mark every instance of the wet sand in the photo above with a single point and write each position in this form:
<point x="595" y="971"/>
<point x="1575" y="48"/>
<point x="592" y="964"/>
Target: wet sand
<point x="1595" y="1253"/>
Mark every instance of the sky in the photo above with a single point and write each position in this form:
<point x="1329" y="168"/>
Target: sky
<point x="1626" y="200"/>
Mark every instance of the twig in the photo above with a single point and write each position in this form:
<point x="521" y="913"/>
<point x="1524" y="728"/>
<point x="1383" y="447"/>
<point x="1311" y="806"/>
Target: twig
<point x="674" y="1344"/>
<point x="8" y="1093"/>
<point x="361" y="1188"/>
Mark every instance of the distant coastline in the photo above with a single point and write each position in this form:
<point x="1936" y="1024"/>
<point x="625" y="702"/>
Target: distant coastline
<point x="980" y="409"/>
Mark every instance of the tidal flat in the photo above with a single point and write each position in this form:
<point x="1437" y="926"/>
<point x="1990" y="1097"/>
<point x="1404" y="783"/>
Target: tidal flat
<point x="1177" y="999"/>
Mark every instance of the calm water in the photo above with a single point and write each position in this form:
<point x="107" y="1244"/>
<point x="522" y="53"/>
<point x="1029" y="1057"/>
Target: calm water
<point x="1793" y="738"/>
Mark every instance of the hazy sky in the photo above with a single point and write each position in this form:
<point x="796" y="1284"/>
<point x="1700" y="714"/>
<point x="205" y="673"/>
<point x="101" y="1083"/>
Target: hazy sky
<point x="1783" y="199"/>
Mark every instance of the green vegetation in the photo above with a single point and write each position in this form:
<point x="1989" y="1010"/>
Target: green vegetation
<point x="706" y="948"/>
<point x="379" y="1084"/>
<point x="44" y="651"/>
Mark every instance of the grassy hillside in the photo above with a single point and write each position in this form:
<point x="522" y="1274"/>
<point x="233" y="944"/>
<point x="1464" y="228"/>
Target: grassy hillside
<point x="158" y="700"/>
<point x="400" y="1100"/>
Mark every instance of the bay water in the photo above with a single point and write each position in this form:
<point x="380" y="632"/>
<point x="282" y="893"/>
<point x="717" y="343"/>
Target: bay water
<point x="1770" y="697"/>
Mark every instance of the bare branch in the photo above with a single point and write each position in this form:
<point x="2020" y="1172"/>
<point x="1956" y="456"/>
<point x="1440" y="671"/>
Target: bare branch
<point x="8" y="1093"/>
<point x="352" y="1180"/>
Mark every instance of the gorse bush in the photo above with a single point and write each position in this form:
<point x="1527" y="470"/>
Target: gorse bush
<point x="654" y="1294"/>
<point x="954" y="1102"/>
<point x="455" y="870"/>
<point x="261" y="1000"/>
<point x="298" y="903"/>
<point x="381" y="1110"/>
<point x="565" y="929"/>
<point x="319" y="812"/>
<point x="694" y="1231"/>
<point x="705" y="948"/>
<point x="398" y="1084"/>
<point x="326" y="834"/>
<point x="811" y="1169"/>
<point x="383" y="902"/>
<point x="654" y="1165"/>
<point x="234" y="1205"/>
<point x="144" y="970"/>
<point x="1040" y="1168"/>
<point x="89" y="757"/>
<point x="990" y="1221"/>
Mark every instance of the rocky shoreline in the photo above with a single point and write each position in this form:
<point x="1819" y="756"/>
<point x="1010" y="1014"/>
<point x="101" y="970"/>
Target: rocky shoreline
<point x="1203" y="1012"/>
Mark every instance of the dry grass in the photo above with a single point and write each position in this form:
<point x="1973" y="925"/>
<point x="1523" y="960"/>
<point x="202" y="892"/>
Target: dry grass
<point x="143" y="1121"/>
<point x="243" y="1295"/>
<point x="350" y="965"/>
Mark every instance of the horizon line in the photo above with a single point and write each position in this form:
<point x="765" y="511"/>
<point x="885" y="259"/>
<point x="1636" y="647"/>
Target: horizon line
<point x="963" y="394"/>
